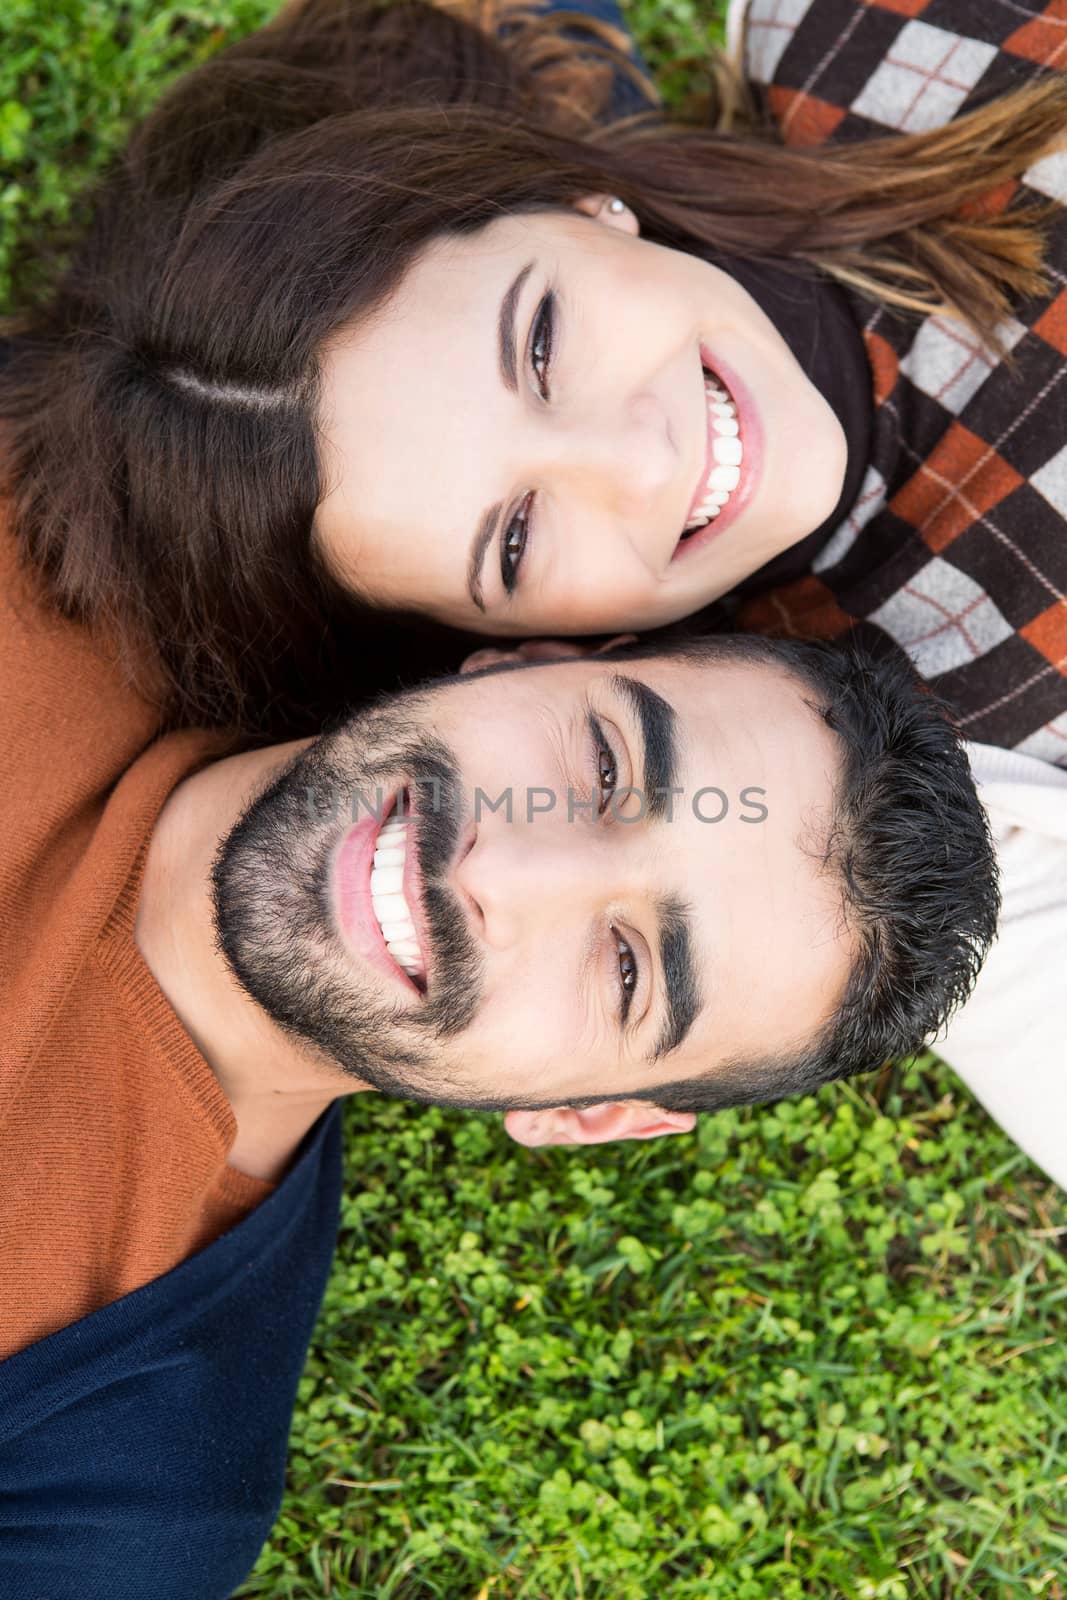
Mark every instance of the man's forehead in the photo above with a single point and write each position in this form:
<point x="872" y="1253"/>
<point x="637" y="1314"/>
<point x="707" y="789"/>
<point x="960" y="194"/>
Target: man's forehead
<point x="703" y="689"/>
<point x="759" y="709"/>
<point x="736" y="701"/>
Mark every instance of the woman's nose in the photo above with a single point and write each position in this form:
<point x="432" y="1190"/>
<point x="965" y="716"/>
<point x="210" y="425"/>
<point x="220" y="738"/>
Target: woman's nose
<point x="624" y="457"/>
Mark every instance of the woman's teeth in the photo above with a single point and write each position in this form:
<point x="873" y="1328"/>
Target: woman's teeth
<point x="727" y="453"/>
<point x="387" y="897"/>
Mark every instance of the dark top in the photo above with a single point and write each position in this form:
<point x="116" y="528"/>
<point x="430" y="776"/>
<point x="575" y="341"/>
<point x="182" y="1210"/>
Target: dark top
<point x="142" y="1449"/>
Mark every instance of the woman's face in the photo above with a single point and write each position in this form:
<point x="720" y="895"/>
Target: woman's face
<point x="554" y="425"/>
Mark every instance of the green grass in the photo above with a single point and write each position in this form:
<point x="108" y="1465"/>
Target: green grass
<point x="810" y="1353"/>
<point x="74" y="73"/>
<point x="813" y="1351"/>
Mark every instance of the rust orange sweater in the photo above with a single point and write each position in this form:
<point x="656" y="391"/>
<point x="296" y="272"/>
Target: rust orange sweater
<point x="114" y="1132"/>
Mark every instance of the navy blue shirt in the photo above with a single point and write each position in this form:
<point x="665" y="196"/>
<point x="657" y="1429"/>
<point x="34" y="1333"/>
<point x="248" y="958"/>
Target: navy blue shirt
<point x="142" y="1449"/>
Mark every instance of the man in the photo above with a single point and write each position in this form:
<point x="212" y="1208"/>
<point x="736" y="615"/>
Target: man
<point x="579" y="874"/>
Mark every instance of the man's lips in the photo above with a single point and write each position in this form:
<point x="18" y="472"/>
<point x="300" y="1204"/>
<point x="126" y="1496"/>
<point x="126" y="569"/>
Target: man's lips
<point x="750" y="438"/>
<point x="414" y="894"/>
<point x="358" y="919"/>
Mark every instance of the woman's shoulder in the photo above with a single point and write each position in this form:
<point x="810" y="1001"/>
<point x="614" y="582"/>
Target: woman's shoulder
<point x="844" y="69"/>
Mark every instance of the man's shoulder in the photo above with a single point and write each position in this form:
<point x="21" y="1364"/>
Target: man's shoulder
<point x="69" y="729"/>
<point x="83" y="776"/>
<point x="54" y="669"/>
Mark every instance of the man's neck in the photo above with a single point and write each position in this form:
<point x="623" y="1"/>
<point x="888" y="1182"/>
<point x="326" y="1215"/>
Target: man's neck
<point x="276" y="1093"/>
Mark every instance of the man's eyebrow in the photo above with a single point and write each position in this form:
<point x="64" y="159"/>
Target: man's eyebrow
<point x="509" y="373"/>
<point x="681" y="989"/>
<point x="509" y="367"/>
<point x="659" y="754"/>
<point x="682" y="996"/>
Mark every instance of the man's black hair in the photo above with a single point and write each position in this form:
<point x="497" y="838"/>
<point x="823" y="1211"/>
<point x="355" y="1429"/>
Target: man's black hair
<point x="909" y="844"/>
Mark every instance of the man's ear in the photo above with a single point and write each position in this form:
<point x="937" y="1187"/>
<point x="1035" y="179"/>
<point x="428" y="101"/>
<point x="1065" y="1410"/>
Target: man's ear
<point x="610" y="209"/>
<point x="542" y="650"/>
<point x="615" y="1119"/>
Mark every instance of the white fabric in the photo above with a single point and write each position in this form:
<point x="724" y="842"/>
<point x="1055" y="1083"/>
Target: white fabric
<point x="735" y="22"/>
<point x="1009" y="1042"/>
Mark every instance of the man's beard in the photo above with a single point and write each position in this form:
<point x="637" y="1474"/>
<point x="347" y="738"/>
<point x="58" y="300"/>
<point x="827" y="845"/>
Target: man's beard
<point x="273" y="914"/>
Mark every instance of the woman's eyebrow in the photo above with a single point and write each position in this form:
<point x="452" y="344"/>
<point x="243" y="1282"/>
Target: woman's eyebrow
<point x="482" y="536"/>
<point x="509" y="372"/>
<point x="509" y="367"/>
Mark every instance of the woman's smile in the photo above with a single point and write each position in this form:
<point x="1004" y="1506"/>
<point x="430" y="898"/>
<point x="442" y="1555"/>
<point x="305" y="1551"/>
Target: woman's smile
<point x="732" y="466"/>
<point x="721" y="474"/>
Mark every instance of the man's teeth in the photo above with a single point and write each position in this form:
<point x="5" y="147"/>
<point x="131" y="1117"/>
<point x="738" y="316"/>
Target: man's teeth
<point x="387" y="897"/>
<point x="727" y="453"/>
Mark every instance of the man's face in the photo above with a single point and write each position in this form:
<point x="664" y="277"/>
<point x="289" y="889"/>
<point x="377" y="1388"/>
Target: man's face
<point x="587" y="945"/>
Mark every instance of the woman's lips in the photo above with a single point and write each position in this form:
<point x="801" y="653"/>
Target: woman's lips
<point x="751" y="436"/>
<point x="720" y="472"/>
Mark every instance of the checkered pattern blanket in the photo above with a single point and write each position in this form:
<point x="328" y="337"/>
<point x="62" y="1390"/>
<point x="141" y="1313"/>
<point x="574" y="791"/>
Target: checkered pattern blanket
<point x="957" y="545"/>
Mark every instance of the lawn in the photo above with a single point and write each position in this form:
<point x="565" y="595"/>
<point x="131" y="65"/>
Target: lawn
<point x="808" y="1353"/>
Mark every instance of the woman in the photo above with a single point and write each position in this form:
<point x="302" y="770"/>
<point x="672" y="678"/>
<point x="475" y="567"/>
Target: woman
<point x="372" y="321"/>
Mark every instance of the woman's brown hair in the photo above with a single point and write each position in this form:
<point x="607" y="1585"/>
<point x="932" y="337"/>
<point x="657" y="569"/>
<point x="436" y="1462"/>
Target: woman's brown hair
<point x="158" y="408"/>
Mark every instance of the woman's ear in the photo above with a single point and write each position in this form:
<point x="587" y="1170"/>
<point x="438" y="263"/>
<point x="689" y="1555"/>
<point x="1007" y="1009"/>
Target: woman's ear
<point x="541" y="650"/>
<point x="610" y="209"/>
<point x="615" y="1119"/>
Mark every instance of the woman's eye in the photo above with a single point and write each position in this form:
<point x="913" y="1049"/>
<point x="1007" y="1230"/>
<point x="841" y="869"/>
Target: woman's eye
<point x="513" y="545"/>
<point x="541" y="343"/>
<point x="627" y="973"/>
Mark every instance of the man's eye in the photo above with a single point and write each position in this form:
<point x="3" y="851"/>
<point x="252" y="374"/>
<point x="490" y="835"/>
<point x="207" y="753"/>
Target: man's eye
<point x="607" y="776"/>
<point x="513" y="545"/>
<point x="541" y="338"/>
<point x="627" y="974"/>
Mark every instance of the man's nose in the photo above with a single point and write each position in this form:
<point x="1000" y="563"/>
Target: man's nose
<point x="519" y="877"/>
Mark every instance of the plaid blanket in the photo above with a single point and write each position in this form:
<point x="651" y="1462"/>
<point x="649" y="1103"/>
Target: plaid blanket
<point x="957" y="545"/>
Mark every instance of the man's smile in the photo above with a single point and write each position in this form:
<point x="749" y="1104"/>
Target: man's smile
<point x="379" y="894"/>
